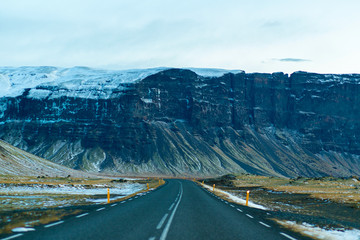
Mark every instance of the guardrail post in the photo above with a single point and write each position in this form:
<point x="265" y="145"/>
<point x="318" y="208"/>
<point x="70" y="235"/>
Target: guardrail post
<point x="214" y="188"/>
<point x="247" y="197"/>
<point x="147" y="186"/>
<point x="108" y="195"/>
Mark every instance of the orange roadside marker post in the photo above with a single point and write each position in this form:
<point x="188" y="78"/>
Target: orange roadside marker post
<point x="214" y="188"/>
<point x="247" y="197"/>
<point x="108" y="195"/>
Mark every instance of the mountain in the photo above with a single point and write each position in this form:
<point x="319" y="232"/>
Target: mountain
<point x="16" y="162"/>
<point x="195" y="122"/>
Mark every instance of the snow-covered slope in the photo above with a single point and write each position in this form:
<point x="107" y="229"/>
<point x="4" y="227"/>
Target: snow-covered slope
<point x="81" y="82"/>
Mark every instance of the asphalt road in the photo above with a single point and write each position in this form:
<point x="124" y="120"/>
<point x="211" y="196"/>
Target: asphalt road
<point x="178" y="210"/>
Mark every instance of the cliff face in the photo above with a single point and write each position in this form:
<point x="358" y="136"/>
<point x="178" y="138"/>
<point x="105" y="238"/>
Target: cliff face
<point x="176" y="122"/>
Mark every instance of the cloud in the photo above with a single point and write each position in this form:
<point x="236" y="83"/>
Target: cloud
<point x="292" y="60"/>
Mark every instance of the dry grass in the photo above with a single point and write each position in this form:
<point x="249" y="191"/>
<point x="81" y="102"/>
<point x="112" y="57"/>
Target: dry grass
<point x="11" y="217"/>
<point x="335" y="189"/>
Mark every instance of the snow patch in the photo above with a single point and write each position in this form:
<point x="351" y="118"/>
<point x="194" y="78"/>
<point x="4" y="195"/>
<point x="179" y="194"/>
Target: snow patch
<point x="22" y="229"/>
<point x="121" y="189"/>
<point x="147" y="100"/>
<point x="79" y="82"/>
<point x="237" y="199"/>
<point x="38" y="93"/>
<point x="319" y="233"/>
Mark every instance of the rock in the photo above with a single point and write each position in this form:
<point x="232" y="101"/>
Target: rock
<point x="175" y="122"/>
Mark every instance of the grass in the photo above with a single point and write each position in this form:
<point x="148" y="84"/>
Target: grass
<point x="327" y="202"/>
<point x="15" y="214"/>
<point x="339" y="190"/>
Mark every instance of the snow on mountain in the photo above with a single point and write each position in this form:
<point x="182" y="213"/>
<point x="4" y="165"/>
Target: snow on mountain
<point x="81" y="82"/>
<point x="53" y="82"/>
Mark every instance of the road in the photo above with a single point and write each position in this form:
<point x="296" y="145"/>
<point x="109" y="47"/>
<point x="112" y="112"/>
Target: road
<point x="180" y="209"/>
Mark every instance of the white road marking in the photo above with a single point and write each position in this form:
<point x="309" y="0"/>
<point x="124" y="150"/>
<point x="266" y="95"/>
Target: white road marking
<point x="53" y="224"/>
<point x="232" y="205"/>
<point x="152" y="238"/>
<point x="123" y="202"/>
<point x="249" y="215"/>
<point x="136" y="197"/>
<point x="167" y="227"/>
<point x="162" y="221"/>
<point x="172" y="205"/>
<point x="239" y="210"/>
<point x="13" y="236"/>
<point x="82" y="215"/>
<point x="226" y="202"/>
<point x="114" y="205"/>
<point x="100" y="209"/>
<point x="289" y="237"/>
<point x="264" y="224"/>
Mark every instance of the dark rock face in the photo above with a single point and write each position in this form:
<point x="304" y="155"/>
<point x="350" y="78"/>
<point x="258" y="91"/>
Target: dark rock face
<point x="176" y="122"/>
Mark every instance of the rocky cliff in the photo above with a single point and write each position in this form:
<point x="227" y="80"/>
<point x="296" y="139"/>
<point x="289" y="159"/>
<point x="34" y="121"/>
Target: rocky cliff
<point x="185" y="122"/>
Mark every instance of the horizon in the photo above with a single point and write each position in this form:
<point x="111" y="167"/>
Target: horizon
<point x="187" y="68"/>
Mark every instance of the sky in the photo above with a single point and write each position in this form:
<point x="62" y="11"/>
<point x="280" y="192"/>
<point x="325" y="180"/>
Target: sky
<point x="252" y="35"/>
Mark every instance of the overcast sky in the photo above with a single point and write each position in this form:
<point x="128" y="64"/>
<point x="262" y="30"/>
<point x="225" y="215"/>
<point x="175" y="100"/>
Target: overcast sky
<point x="252" y="35"/>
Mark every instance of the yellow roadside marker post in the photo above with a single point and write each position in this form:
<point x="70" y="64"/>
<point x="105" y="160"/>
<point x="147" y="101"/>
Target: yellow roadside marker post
<point x="108" y="196"/>
<point x="247" y="197"/>
<point x="214" y="188"/>
<point x="202" y="182"/>
<point x="147" y="185"/>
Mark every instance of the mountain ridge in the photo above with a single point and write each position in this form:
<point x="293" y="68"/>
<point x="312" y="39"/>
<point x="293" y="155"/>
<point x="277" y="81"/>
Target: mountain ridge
<point x="176" y="122"/>
<point x="16" y="162"/>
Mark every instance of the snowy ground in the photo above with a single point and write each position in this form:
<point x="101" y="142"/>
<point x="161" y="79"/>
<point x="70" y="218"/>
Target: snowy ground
<point x="304" y="228"/>
<point x="235" y="198"/>
<point x="61" y="195"/>
<point x="319" y="233"/>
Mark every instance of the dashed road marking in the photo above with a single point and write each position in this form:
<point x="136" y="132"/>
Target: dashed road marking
<point x="249" y="215"/>
<point x="289" y="237"/>
<point x="172" y="205"/>
<point x="82" y="215"/>
<point x="53" y="224"/>
<point x="239" y="210"/>
<point x="13" y="236"/>
<point x="123" y="202"/>
<point x="152" y="238"/>
<point x="226" y="202"/>
<point x="100" y="209"/>
<point x="264" y="224"/>
<point x="114" y="205"/>
<point x="162" y="221"/>
<point x="232" y="205"/>
<point x="167" y="227"/>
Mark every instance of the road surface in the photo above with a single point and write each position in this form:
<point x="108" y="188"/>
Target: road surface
<point x="180" y="209"/>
